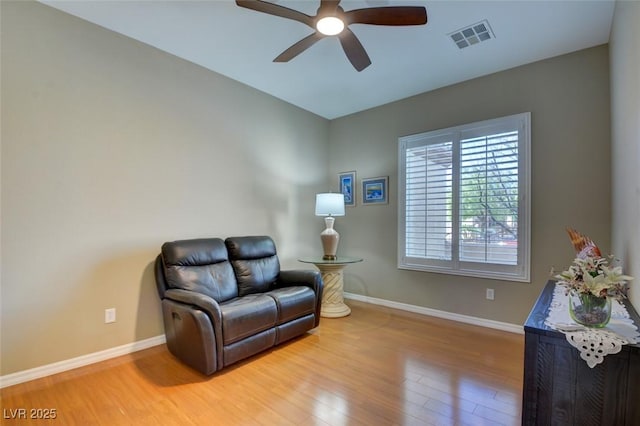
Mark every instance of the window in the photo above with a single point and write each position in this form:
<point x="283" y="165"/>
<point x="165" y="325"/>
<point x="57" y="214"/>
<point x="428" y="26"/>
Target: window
<point x="464" y="196"/>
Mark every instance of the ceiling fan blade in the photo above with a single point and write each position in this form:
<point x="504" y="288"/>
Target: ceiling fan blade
<point x="354" y="50"/>
<point x="393" y="15"/>
<point x="299" y="47"/>
<point x="276" y="10"/>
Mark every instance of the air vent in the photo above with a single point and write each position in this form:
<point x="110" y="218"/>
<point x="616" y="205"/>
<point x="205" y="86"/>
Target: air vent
<point x="473" y="34"/>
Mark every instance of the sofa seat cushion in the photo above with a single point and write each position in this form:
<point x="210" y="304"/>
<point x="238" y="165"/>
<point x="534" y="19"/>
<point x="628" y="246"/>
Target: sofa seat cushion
<point x="247" y="315"/>
<point x="293" y="302"/>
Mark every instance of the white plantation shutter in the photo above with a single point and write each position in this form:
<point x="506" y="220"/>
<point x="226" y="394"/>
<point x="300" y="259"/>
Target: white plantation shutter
<point x="464" y="199"/>
<point x="489" y="198"/>
<point x="428" y="200"/>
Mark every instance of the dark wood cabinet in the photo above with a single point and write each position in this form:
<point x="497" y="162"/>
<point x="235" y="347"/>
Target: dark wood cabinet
<point x="561" y="389"/>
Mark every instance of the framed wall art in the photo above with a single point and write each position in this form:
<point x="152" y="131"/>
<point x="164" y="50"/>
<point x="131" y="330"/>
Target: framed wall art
<point x="375" y="190"/>
<point x="348" y="187"/>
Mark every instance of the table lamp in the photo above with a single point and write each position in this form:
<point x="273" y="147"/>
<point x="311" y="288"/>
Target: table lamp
<point x="329" y="205"/>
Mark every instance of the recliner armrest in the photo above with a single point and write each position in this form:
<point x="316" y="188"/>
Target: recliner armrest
<point x="306" y="277"/>
<point x="202" y="301"/>
<point x="207" y="305"/>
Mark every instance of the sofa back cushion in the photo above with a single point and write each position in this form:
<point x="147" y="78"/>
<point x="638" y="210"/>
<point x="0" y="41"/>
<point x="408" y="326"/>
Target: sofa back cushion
<point x="200" y="265"/>
<point x="255" y="263"/>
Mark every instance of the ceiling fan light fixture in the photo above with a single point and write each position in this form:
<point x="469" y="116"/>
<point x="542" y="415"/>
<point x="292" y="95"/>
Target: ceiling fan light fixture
<point x="330" y="25"/>
<point x="331" y="19"/>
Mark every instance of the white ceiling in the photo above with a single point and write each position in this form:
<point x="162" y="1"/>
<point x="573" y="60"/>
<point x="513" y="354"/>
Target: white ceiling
<point x="241" y="44"/>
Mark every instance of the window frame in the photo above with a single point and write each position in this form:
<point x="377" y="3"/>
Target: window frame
<point x="519" y="272"/>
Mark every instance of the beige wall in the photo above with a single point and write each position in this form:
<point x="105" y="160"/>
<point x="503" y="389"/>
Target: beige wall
<point x="568" y="98"/>
<point x="625" y="139"/>
<point x="110" y="148"/>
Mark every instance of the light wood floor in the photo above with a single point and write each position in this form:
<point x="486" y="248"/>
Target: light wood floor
<point x="376" y="367"/>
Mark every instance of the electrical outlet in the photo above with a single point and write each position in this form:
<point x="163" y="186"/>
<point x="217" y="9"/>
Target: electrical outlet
<point x="490" y="294"/>
<point x="109" y="315"/>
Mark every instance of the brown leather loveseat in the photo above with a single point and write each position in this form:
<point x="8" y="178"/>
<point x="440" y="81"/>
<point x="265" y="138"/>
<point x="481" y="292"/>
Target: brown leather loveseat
<point x="223" y="301"/>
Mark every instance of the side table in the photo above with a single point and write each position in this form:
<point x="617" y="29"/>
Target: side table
<point x="332" y="274"/>
<point x="561" y="389"/>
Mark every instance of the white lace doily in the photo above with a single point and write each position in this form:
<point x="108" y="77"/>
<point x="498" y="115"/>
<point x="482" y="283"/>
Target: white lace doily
<point x="593" y="343"/>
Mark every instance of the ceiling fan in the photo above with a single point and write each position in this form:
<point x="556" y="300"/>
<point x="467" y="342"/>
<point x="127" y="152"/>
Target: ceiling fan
<point x="331" y="19"/>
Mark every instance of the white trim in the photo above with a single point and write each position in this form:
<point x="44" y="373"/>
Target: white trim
<point x="467" y="319"/>
<point x="81" y="361"/>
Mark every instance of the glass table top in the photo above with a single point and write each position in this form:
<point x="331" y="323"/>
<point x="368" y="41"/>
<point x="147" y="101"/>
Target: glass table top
<point x="318" y="260"/>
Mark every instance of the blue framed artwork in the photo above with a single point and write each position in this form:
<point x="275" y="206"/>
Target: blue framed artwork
<point x="348" y="187"/>
<point x="375" y="190"/>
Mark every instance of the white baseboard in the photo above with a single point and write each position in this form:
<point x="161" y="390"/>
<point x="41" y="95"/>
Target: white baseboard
<point x="504" y="326"/>
<point x="81" y="361"/>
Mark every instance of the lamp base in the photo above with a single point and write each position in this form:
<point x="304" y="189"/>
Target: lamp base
<point x="329" y="239"/>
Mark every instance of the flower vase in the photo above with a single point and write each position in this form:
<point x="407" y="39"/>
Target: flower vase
<point x="589" y="310"/>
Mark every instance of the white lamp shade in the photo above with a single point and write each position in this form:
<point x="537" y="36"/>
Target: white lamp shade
<point x="330" y="204"/>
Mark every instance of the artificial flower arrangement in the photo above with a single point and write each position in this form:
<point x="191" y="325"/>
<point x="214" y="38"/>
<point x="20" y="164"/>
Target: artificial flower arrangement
<point x="594" y="275"/>
<point x="591" y="273"/>
<point x="592" y="282"/>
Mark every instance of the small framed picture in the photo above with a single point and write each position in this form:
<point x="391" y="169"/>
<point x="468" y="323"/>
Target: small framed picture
<point x="374" y="190"/>
<point x="348" y="187"/>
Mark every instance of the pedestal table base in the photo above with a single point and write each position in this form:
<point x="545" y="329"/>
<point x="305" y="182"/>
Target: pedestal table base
<point x="333" y="297"/>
